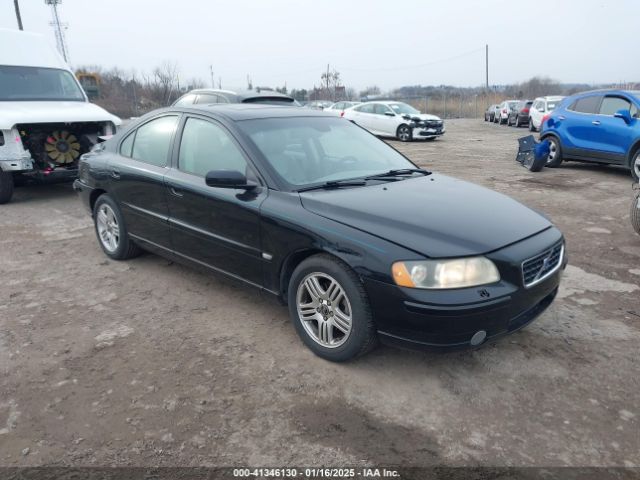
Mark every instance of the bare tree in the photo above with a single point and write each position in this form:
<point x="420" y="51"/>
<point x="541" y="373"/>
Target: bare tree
<point x="165" y="81"/>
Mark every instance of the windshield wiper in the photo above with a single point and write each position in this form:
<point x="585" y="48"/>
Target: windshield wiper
<point x="334" y="184"/>
<point x="399" y="172"/>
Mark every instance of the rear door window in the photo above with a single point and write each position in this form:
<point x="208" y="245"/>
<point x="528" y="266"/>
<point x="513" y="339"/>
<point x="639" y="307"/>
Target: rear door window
<point x="127" y="145"/>
<point x="610" y="105"/>
<point x="587" y="104"/>
<point x="153" y="139"/>
<point x="366" y="108"/>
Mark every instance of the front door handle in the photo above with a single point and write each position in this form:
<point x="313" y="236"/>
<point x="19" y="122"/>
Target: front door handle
<point x="561" y="117"/>
<point x="115" y="174"/>
<point x="596" y="122"/>
<point x="176" y="192"/>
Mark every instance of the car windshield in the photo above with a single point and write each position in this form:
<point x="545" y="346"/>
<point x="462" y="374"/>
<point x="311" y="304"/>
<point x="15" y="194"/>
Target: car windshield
<point x="404" y="108"/>
<point x="36" y="83"/>
<point x="312" y="150"/>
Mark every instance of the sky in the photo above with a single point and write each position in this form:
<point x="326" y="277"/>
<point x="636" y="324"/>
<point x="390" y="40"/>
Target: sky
<point x="370" y="42"/>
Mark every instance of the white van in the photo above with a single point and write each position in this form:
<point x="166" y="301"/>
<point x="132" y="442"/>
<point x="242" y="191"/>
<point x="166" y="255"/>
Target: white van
<point x="46" y="120"/>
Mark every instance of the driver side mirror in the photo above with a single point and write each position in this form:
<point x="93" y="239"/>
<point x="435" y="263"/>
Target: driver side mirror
<point x="624" y="115"/>
<point x="228" y="179"/>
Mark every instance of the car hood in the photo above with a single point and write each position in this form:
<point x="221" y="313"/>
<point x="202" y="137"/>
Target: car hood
<point x="422" y="116"/>
<point x="12" y="113"/>
<point x="436" y="216"/>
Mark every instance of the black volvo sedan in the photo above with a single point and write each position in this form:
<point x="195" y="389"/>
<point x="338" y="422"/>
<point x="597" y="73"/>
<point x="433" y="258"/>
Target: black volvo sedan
<point x="360" y="243"/>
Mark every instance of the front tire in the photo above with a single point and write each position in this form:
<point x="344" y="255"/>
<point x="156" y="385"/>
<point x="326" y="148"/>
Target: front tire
<point x="330" y="309"/>
<point x="6" y="187"/>
<point x="111" y="230"/>
<point x="555" y="152"/>
<point x="404" y="133"/>
<point x="635" y="212"/>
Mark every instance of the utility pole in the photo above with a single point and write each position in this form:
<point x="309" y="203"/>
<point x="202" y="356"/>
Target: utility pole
<point x="59" y="28"/>
<point x="328" y="79"/>
<point x="18" y="17"/>
<point x="486" y="63"/>
<point x="220" y="83"/>
<point x="213" y="82"/>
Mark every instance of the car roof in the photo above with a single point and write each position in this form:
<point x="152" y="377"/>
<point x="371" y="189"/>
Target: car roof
<point x="550" y="97"/>
<point x="249" y="111"/>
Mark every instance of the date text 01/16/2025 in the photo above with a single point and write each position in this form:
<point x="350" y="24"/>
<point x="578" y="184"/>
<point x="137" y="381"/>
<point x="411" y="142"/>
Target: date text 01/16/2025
<point x="315" y="473"/>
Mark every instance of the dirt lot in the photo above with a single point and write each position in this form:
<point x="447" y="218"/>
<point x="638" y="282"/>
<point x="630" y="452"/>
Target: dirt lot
<point x="150" y="363"/>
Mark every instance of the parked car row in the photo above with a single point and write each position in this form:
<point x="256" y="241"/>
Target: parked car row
<point x="520" y="113"/>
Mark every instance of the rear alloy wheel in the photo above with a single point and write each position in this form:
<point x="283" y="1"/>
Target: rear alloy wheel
<point x="635" y="212"/>
<point x="330" y="309"/>
<point x="635" y="166"/>
<point x="555" y="153"/>
<point x="404" y="133"/>
<point x="6" y="186"/>
<point x="111" y="230"/>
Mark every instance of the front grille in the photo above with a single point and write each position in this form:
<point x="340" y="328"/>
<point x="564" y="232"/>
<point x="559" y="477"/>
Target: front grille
<point x="541" y="266"/>
<point x="433" y="123"/>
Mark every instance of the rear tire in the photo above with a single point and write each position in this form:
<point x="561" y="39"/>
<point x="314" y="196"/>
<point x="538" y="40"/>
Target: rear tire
<point x="635" y="212"/>
<point x="6" y="186"/>
<point x="531" y="127"/>
<point x="517" y="122"/>
<point x="635" y="166"/>
<point x="555" y="152"/>
<point x="350" y="306"/>
<point x="111" y="230"/>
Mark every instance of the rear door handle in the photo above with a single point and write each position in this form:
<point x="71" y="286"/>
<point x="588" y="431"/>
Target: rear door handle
<point x="115" y="174"/>
<point x="596" y="122"/>
<point x="176" y="192"/>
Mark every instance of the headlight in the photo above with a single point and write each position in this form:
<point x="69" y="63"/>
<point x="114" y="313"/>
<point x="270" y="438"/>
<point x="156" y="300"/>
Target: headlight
<point x="455" y="273"/>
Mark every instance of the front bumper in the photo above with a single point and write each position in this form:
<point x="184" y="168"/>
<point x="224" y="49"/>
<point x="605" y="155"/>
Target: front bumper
<point x="21" y="164"/>
<point x="433" y="320"/>
<point x="422" y="133"/>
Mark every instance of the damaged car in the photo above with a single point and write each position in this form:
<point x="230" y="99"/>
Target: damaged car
<point x="396" y="120"/>
<point x="46" y="120"/>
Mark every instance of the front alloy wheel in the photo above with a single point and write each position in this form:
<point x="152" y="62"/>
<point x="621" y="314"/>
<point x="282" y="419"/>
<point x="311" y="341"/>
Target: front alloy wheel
<point x="330" y="309"/>
<point x="404" y="133"/>
<point x="324" y="309"/>
<point x="555" y="153"/>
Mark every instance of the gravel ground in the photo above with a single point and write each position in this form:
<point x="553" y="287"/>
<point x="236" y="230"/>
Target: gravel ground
<point x="148" y="362"/>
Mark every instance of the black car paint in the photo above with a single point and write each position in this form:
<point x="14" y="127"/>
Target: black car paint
<point x="260" y="235"/>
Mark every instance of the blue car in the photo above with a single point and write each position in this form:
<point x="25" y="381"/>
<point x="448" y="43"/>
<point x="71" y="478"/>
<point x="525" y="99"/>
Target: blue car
<point x="599" y="126"/>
